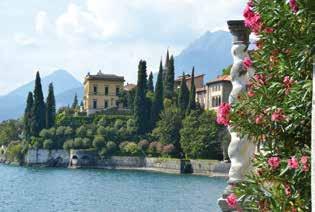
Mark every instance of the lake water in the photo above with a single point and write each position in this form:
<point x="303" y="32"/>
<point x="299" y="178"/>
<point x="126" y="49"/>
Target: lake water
<point x="56" y="189"/>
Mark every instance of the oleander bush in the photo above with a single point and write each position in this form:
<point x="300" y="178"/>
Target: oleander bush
<point x="276" y="110"/>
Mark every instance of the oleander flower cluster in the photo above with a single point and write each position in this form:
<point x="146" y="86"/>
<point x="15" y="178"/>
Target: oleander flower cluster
<point x="275" y="110"/>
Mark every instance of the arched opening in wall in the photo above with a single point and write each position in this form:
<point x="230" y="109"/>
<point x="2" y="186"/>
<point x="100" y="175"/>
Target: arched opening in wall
<point x="74" y="160"/>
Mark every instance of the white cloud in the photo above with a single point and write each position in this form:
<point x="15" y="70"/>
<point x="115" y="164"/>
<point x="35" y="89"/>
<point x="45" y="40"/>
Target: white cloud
<point x="40" y="21"/>
<point x="24" y="40"/>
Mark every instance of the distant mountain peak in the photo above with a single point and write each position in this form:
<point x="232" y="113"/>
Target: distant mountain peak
<point x="209" y="53"/>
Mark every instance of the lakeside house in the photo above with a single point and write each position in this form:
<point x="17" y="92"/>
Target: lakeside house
<point x="101" y="91"/>
<point x="214" y="92"/>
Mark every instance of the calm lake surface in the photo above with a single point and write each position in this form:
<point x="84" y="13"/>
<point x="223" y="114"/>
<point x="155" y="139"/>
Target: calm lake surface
<point x="56" y="189"/>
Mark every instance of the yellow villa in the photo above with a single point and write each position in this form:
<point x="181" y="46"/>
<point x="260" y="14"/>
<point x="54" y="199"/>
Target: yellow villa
<point x="101" y="91"/>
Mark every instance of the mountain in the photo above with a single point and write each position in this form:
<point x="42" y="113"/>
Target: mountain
<point x="65" y="87"/>
<point x="209" y="54"/>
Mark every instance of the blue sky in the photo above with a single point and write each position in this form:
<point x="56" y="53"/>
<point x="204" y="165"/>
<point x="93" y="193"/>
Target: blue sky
<point x="113" y="35"/>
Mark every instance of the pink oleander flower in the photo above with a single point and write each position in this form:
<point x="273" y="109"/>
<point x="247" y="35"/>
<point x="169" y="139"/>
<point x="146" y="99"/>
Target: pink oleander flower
<point x="287" y="81"/>
<point x="305" y="168"/>
<point x="274" y="162"/>
<point x="223" y="114"/>
<point x="304" y="160"/>
<point x="287" y="190"/>
<point x="269" y="30"/>
<point x="278" y="115"/>
<point x="252" y="19"/>
<point x="247" y="63"/>
<point x="293" y="163"/>
<point x="231" y="200"/>
<point x="260" y="78"/>
<point x="294" y="6"/>
<point x="259" y="119"/>
<point x="250" y="93"/>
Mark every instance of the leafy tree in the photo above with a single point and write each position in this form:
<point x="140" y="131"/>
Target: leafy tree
<point x="38" y="111"/>
<point x="192" y="94"/>
<point x="28" y="116"/>
<point x="150" y="83"/>
<point x="198" y="136"/>
<point x="167" y="130"/>
<point x="99" y="142"/>
<point x="157" y="105"/>
<point x="140" y="105"/>
<point x="169" y="80"/>
<point x="50" y="107"/>
<point x="183" y="97"/>
<point x="10" y="131"/>
<point x="75" y="102"/>
<point x="48" y="144"/>
<point x="227" y="70"/>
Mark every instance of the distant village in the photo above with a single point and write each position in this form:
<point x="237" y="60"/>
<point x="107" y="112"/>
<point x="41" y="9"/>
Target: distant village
<point x="101" y="91"/>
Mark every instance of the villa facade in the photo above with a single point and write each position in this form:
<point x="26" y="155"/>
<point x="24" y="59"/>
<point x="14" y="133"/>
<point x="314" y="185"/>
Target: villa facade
<point x="214" y="93"/>
<point x="101" y="92"/>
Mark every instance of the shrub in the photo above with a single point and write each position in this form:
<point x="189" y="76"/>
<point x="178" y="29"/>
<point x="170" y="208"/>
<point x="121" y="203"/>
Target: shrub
<point x="111" y="147"/>
<point x="87" y="143"/>
<point x="155" y="148"/>
<point x="143" y="145"/>
<point x="99" y="142"/>
<point x="78" y="143"/>
<point x="60" y="131"/>
<point x="15" y="153"/>
<point x="46" y="134"/>
<point x="131" y="148"/>
<point x="168" y="149"/>
<point x="118" y="124"/>
<point x="81" y="132"/>
<point x="36" y="142"/>
<point x="68" y="144"/>
<point x="103" y="152"/>
<point x="48" y="144"/>
<point x="123" y="144"/>
<point x="198" y="136"/>
<point x="68" y="132"/>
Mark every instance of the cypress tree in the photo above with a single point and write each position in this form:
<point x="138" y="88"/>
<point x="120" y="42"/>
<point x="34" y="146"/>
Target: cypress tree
<point x="157" y="106"/>
<point x="50" y="107"/>
<point x="28" y="116"/>
<point x="169" y="81"/>
<point x="166" y="65"/>
<point x="75" y="102"/>
<point x="38" y="112"/>
<point x="183" y="97"/>
<point x="192" y="94"/>
<point x="140" y="102"/>
<point x="150" y="83"/>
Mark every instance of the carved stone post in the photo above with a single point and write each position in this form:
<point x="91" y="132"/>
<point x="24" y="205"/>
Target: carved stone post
<point x="240" y="149"/>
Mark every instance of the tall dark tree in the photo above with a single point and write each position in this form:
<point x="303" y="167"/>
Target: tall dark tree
<point x="38" y="112"/>
<point x="183" y="97"/>
<point x="150" y="83"/>
<point x="166" y="65"/>
<point x="28" y="116"/>
<point x="50" y="107"/>
<point x="157" y="105"/>
<point x="140" y="103"/>
<point x="75" y="102"/>
<point x="192" y="94"/>
<point x="169" y="80"/>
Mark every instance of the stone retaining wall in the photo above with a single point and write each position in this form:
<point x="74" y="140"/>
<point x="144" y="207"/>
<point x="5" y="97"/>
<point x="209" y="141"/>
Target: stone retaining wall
<point x="88" y="158"/>
<point x="47" y="157"/>
<point x="209" y="167"/>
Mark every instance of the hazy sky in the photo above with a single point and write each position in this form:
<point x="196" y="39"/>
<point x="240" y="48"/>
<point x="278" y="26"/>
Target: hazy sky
<point x="87" y="35"/>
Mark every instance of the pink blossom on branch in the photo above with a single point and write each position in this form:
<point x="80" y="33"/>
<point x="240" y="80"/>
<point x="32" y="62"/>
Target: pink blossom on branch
<point x="294" y="6"/>
<point x="274" y="162"/>
<point x="252" y="19"/>
<point x="287" y="190"/>
<point x="287" y="81"/>
<point x="247" y="63"/>
<point x="259" y="119"/>
<point x="223" y="114"/>
<point x="293" y="163"/>
<point x="278" y="115"/>
<point x="231" y="200"/>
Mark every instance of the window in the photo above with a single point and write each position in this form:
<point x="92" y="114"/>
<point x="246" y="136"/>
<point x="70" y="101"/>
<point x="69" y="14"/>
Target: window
<point x="95" y="89"/>
<point x="106" y="104"/>
<point x="216" y="101"/>
<point x="117" y="91"/>
<point x="106" y="90"/>
<point x="94" y="103"/>
<point x="117" y="103"/>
